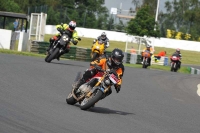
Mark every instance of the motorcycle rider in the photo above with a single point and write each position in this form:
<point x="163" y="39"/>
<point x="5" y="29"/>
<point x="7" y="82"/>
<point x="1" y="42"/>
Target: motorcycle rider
<point x="114" y="63"/>
<point x="177" y="53"/>
<point x="72" y="34"/>
<point x="150" y="50"/>
<point x="104" y="39"/>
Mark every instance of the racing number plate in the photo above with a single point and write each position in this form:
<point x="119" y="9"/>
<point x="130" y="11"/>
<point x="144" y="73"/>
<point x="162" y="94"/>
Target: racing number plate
<point x="113" y="78"/>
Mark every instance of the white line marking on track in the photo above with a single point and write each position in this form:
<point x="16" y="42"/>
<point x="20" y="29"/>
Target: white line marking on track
<point x="198" y="89"/>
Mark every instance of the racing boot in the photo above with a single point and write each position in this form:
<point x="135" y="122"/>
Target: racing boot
<point x="51" y="40"/>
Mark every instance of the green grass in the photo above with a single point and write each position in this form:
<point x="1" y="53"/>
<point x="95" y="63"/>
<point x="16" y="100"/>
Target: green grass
<point x="20" y="53"/>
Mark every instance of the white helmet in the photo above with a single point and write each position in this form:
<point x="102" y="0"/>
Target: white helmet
<point x="148" y="46"/>
<point x="72" y="25"/>
<point x="103" y="35"/>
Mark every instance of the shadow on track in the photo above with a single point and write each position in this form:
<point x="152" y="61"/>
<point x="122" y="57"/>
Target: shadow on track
<point x="66" y="64"/>
<point x="108" y="111"/>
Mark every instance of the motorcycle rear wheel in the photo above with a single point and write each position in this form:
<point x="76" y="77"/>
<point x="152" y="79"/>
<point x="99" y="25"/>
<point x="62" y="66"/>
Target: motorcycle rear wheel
<point x="89" y="102"/>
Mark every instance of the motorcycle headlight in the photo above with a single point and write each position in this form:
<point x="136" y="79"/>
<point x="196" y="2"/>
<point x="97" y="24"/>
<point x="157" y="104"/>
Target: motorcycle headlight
<point x="65" y="38"/>
<point x="107" y="82"/>
<point x="97" y="47"/>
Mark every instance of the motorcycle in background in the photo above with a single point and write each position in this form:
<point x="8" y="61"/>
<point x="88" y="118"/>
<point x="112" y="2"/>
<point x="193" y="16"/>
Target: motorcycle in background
<point x="146" y="55"/>
<point x="97" y="50"/>
<point x="59" y="46"/>
<point x="174" y="63"/>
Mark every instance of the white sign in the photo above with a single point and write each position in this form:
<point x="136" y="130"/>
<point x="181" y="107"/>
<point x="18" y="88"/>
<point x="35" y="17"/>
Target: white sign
<point x="113" y="11"/>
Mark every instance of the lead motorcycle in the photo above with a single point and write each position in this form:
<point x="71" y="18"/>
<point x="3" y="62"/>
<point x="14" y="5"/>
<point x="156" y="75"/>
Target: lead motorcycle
<point x="94" y="90"/>
<point x="59" y="46"/>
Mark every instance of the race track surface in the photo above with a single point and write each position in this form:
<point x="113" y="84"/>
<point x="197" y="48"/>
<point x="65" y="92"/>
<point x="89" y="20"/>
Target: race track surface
<point x="33" y="94"/>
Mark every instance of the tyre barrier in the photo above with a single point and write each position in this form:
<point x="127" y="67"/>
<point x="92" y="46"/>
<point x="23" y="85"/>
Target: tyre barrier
<point x="194" y="70"/>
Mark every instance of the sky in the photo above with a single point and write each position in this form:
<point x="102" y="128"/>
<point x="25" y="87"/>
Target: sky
<point x="127" y="4"/>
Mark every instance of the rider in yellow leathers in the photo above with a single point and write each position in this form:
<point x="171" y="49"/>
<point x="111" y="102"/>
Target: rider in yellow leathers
<point x="71" y="32"/>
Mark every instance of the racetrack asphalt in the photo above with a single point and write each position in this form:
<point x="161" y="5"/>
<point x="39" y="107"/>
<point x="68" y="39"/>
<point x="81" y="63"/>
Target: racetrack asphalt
<point x="33" y="100"/>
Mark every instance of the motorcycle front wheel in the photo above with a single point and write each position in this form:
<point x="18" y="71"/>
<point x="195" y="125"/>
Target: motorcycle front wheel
<point x="70" y="99"/>
<point x="144" y="65"/>
<point x="89" y="102"/>
<point x="94" y="56"/>
<point x="46" y="57"/>
<point x="53" y="55"/>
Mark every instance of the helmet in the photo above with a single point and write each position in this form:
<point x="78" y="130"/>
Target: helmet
<point x="72" y="25"/>
<point x="148" y="46"/>
<point x="178" y="50"/>
<point x="103" y="35"/>
<point x="117" y="56"/>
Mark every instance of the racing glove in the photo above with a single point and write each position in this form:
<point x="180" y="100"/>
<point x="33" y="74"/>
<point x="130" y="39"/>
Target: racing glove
<point x="74" y="42"/>
<point x="59" y="29"/>
<point x="98" y="68"/>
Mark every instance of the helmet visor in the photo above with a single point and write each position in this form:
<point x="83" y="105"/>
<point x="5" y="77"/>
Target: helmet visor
<point x="117" y="61"/>
<point x="71" y="27"/>
<point x="103" y="36"/>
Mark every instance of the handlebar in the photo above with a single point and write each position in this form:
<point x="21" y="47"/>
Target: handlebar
<point x="108" y="71"/>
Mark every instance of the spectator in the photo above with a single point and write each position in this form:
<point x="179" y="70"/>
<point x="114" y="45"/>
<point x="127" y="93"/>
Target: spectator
<point x="159" y="55"/>
<point x="16" y="24"/>
<point x="133" y="51"/>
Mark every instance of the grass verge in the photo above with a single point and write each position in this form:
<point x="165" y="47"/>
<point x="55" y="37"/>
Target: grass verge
<point x="20" y="53"/>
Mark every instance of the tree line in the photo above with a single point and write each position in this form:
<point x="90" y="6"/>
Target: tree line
<point x="181" y="16"/>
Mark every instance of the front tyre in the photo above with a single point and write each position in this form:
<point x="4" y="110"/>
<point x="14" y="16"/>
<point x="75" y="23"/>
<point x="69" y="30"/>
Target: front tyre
<point x="70" y="99"/>
<point x="175" y="67"/>
<point x="89" y="102"/>
<point x="172" y="67"/>
<point x="46" y="57"/>
<point x="53" y="55"/>
<point x="144" y="65"/>
<point x="94" y="56"/>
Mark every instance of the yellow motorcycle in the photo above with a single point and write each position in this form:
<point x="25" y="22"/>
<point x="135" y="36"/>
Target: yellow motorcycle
<point x="97" y="50"/>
